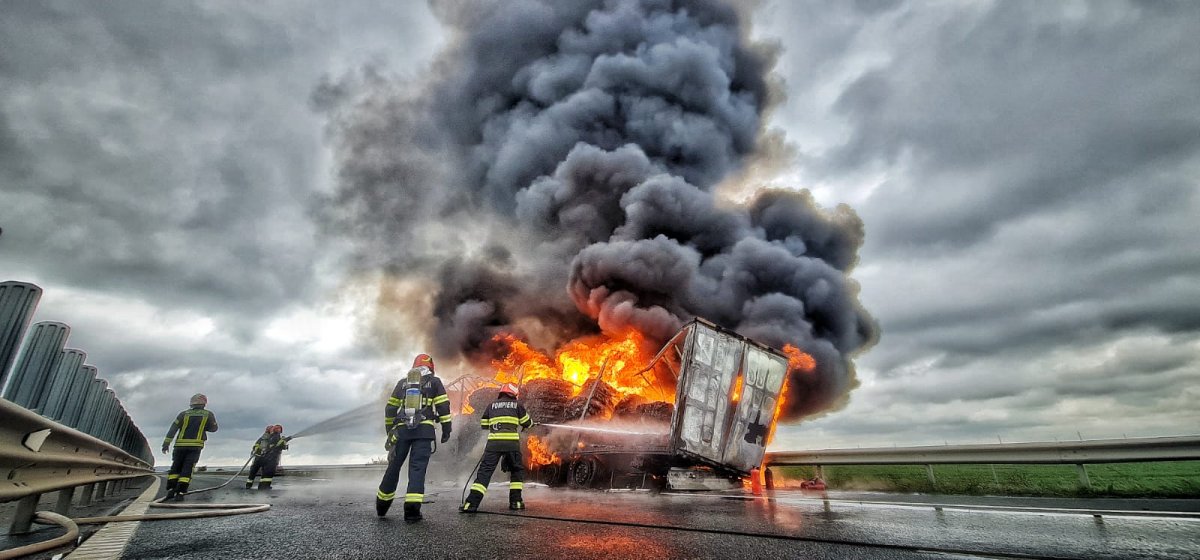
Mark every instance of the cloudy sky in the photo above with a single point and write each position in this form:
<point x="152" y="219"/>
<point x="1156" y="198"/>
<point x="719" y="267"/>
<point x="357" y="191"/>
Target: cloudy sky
<point x="1027" y="172"/>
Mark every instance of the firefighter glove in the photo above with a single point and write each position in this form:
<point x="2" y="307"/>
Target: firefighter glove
<point x="166" y="448"/>
<point x="445" y="433"/>
<point x="389" y="443"/>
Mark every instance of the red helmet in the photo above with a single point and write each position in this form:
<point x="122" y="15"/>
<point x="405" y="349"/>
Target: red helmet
<point x="511" y="389"/>
<point x="277" y="429"/>
<point x="423" y="360"/>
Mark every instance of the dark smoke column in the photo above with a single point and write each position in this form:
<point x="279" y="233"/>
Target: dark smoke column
<point x="553" y="176"/>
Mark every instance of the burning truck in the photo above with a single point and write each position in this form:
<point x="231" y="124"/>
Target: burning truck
<point x="698" y="413"/>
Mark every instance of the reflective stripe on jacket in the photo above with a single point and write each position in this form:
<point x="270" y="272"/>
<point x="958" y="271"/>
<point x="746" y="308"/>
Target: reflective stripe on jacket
<point x="504" y="419"/>
<point x="191" y="427"/>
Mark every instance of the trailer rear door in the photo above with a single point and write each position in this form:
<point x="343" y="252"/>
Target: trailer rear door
<point x="762" y="379"/>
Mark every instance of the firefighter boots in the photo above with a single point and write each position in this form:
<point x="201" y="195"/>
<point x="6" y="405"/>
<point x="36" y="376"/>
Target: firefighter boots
<point x="381" y="507"/>
<point x="249" y="484"/>
<point x="514" y="500"/>
<point x="264" y="485"/>
<point x="472" y="503"/>
<point x="412" y="512"/>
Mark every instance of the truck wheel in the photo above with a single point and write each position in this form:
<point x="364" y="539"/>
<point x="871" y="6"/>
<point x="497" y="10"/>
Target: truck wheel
<point x="551" y="475"/>
<point x="585" y="473"/>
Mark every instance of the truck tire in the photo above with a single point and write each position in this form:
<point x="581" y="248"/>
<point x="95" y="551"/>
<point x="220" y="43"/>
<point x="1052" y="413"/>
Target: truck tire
<point x="586" y="472"/>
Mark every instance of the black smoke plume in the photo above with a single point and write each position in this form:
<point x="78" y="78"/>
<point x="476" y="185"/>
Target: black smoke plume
<point x="553" y="175"/>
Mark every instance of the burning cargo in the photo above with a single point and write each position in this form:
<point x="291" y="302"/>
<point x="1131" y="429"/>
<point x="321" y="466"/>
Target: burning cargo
<point x="622" y="426"/>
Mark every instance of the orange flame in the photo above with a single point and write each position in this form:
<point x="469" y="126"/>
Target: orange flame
<point x="578" y="361"/>
<point x="798" y="361"/>
<point x="737" y="390"/>
<point x="540" y="453"/>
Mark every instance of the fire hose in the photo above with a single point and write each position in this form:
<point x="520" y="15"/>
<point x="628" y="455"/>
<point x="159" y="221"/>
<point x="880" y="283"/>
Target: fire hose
<point x="72" y="525"/>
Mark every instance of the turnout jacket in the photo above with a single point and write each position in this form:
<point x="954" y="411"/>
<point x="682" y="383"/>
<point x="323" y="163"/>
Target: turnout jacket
<point x="503" y="420"/>
<point x="270" y="446"/>
<point x="191" y="427"/>
<point x="435" y="409"/>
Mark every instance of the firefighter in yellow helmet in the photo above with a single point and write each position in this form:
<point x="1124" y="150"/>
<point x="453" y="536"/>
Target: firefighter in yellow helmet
<point x="502" y="420"/>
<point x="190" y="431"/>
<point x="418" y="403"/>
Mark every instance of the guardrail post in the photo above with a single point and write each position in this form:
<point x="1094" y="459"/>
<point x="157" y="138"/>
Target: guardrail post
<point x="37" y="361"/>
<point x="77" y="407"/>
<point x="91" y="406"/>
<point x="85" y="497"/>
<point x="23" y="519"/>
<point x="59" y="386"/>
<point x="1083" y="476"/>
<point x="63" y="506"/>
<point x="18" y="300"/>
<point x="929" y="471"/>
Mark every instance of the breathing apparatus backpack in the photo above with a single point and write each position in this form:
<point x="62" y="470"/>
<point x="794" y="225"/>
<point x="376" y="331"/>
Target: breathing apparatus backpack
<point x="411" y="412"/>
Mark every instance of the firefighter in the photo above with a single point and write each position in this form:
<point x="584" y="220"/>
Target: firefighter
<point x="502" y="419"/>
<point x="418" y="403"/>
<point x="189" y="430"/>
<point x="266" y="452"/>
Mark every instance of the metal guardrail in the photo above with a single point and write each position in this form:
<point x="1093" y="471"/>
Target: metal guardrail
<point x="54" y="381"/>
<point x="1080" y="454"/>
<point x="60" y="425"/>
<point x="1180" y="448"/>
<point x="38" y="455"/>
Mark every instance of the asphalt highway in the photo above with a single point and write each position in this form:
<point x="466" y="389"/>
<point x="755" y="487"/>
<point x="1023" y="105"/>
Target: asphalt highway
<point x="331" y="515"/>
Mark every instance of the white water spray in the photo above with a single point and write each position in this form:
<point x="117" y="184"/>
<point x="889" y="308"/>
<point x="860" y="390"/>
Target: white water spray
<point x="602" y="430"/>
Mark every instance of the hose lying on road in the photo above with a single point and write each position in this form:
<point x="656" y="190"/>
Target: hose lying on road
<point x="72" y="525"/>
<point x="47" y="518"/>
<point x="221" y="485"/>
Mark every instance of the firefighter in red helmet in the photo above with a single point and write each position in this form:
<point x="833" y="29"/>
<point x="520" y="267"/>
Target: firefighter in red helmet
<point x="503" y="420"/>
<point x="418" y="404"/>
<point x="267" y="450"/>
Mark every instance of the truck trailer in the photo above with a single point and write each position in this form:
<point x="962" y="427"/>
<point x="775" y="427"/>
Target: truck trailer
<point x="727" y="391"/>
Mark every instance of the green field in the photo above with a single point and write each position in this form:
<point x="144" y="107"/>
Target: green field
<point x="1178" y="479"/>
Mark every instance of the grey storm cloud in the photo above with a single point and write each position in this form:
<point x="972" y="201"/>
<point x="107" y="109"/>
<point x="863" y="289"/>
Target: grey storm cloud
<point x="1032" y="171"/>
<point x="579" y="143"/>
<point x="164" y="157"/>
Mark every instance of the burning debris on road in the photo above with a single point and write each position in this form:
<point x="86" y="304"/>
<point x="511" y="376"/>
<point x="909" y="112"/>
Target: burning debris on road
<point x="587" y="143"/>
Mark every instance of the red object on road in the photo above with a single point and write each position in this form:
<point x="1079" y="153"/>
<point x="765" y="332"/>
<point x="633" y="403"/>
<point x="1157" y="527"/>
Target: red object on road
<point x="756" y="486"/>
<point x="814" y="484"/>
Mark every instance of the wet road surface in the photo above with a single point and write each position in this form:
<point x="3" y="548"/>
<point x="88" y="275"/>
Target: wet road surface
<point x="331" y="515"/>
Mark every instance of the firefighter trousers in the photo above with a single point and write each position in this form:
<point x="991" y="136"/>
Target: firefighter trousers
<point x="267" y="465"/>
<point x="183" y="460"/>
<point x="487" y="466"/>
<point x="417" y="451"/>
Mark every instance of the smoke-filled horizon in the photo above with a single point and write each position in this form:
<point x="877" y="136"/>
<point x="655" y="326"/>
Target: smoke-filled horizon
<point x="553" y="175"/>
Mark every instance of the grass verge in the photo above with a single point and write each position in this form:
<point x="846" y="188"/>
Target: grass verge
<point x="1175" y="479"/>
